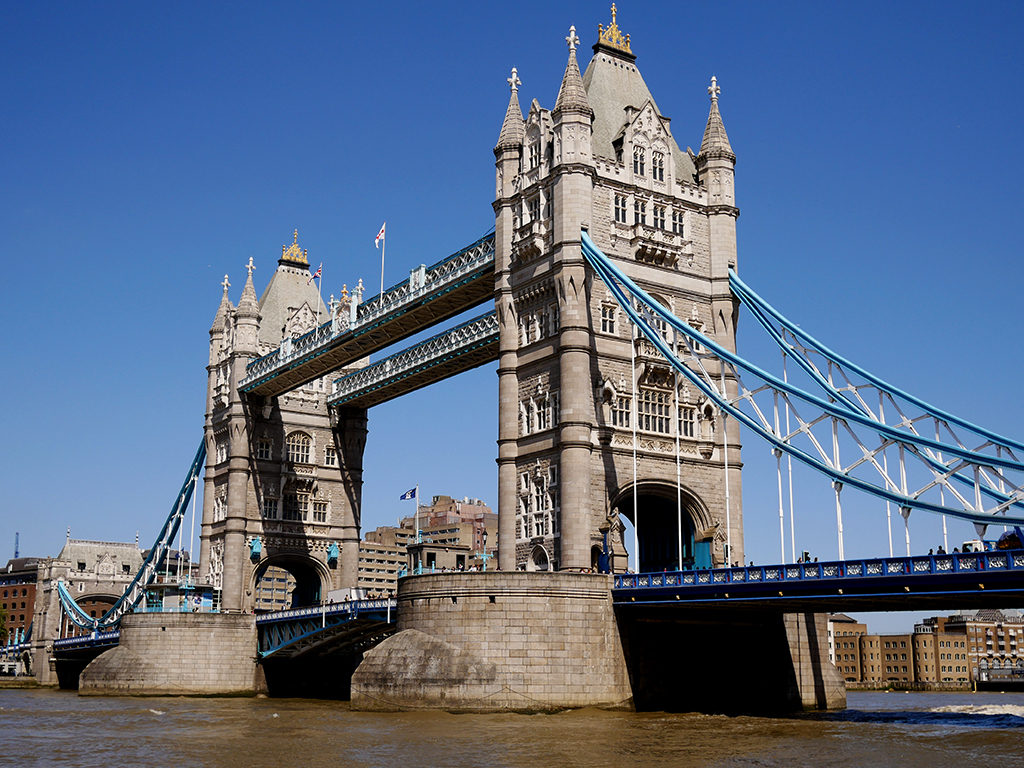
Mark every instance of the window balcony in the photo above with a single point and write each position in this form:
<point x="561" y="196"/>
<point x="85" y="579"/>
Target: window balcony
<point x="532" y="239"/>
<point x="653" y="245"/>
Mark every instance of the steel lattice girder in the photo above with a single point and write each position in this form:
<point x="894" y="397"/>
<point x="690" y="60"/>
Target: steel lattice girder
<point x="913" y="482"/>
<point x="447" y="354"/>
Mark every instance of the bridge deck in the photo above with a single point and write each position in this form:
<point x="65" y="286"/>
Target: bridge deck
<point x="338" y="627"/>
<point x="967" y="580"/>
<point x="456" y="284"/>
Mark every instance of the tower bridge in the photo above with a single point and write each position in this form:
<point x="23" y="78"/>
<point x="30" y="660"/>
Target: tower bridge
<point x="613" y="272"/>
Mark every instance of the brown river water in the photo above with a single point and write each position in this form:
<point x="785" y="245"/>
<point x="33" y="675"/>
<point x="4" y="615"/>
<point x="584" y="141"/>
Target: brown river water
<point x="56" y="728"/>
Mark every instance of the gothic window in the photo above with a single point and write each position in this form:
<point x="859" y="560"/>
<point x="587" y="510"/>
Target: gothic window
<point x="533" y="207"/>
<point x="677" y="222"/>
<point x="653" y="411"/>
<point x="542" y="325"/>
<point x="296" y="506"/>
<point x="659" y="216"/>
<point x="527" y="411"/>
<point x="657" y="166"/>
<point x="620" y="209"/>
<point x="330" y="456"/>
<point x="220" y="506"/>
<point x="270" y="508"/>
<point x="298" y="445"/>
<point x="547" y="206"/>
<point x="264" y="449"/>
<point x="534" y="153"/>
<point x="687" y="421"/>
<point x="319" y="511"/>
<point x="221" y="442"/>
<point x="639" y="212"/>
<point x="608" y="316"/>
<point x="621" y="409"/>
<point x="639" y="157"/>
<point x="698" y="326"/>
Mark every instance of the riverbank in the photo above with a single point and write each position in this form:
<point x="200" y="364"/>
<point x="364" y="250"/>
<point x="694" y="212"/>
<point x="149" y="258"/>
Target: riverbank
<point x="910" y="687"/>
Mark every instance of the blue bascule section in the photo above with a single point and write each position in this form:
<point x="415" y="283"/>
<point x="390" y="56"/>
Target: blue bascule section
<point x="967" y="580"/>
<point x="146" y="575"/>
<point x="341" y="627"/>
<point x="920" y="459"/>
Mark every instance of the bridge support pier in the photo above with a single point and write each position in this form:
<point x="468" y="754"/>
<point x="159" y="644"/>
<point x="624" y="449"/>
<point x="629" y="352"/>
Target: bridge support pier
<point x="178" y="654"/>
<point x="497" y="641"/>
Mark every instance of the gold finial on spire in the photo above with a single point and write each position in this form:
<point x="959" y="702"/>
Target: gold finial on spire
<point x="293" y="253"/>
<point x="612" y="37"/>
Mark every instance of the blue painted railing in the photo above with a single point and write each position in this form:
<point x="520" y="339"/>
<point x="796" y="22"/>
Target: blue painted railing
<point x="281" y="629"/>
<point x="91" y="640"/>
<point x="329" y="609"/>
<point x="920" y="565"/>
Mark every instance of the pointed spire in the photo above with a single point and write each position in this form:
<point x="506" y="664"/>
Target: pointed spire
<point x="512" y="129"/>
<point x="224" y="309"/>
<point x="572" y="95"/>
<point x="249" y="305"/>
<point x="716" y="141"/>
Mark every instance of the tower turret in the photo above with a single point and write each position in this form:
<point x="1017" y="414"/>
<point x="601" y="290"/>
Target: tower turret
<point x="508" y="158"/>
<point x="247" y="318"/>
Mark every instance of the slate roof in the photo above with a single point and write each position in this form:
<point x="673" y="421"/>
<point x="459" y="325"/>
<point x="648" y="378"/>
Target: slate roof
<point x="613" y="82"/>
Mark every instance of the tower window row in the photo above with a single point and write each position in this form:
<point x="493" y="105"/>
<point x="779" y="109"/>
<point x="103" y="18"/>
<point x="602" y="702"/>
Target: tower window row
<point x="538" y="324"/>
<point x="660" y="219"/>
<point x="539" y="502"/>
<point x="640" y="163"/>
<point x="654" y="413"/>
<point x="537" y="414"/>
<point x="296" y="507"/>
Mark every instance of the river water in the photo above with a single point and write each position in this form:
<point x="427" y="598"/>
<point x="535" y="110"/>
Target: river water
<point x="57" y="729"/>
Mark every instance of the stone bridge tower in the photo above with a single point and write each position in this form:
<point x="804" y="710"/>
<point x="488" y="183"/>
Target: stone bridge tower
<point x="604" y="159"/>
<point x="283" y="477"/>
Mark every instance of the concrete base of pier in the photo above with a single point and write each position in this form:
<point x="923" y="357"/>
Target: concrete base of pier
<point x="498" y="641"/>
<point x="167" y="654"/>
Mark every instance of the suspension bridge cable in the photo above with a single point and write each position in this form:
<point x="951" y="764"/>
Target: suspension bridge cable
<point x="612" y="276"/>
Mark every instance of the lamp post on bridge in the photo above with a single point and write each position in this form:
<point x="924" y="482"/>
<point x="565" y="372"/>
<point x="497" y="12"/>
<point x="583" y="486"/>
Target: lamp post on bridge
<point x="485" y="556"/>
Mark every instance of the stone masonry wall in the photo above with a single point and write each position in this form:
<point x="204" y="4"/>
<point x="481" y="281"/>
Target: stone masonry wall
<point x="178" y="654"/>
<point x="498" y="641"/>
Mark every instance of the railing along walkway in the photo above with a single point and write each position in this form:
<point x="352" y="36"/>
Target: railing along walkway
<point x="425" y="285"/>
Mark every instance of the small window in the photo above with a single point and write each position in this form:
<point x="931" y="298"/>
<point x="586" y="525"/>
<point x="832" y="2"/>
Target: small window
<point x="608" y="316"/>
<point x="81" y="565"/>
<point x="533" y="207"/>
<point x="330" y="456"/>
<point x="126" y="569"/>
<point x="639" y="157"/>
<point x="659" y="216"/>
<point x="319" y="511"/>
<point x="270" y="508"/>
<point x="639" y="212"/>
<point x="264" y="449"/>
<point x="620" y="209"/>
<point x="677" y="222"/>
<point x="657" y="166"/>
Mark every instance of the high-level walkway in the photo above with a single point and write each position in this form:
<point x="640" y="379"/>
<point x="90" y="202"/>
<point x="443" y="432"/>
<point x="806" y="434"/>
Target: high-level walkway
<point x="430" y="295"/>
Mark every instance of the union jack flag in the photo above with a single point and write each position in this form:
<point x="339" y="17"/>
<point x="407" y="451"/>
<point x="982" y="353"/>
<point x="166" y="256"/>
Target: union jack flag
<point x="319" y="273"/>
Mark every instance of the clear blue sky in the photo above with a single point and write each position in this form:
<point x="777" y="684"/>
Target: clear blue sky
<point x="148" y="149"/>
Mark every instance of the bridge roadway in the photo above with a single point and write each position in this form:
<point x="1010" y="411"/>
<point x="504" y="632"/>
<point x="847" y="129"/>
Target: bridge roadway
<point x="923" y="582"/>
<point x="430" y="296"/>
<point x="340" y="628"/>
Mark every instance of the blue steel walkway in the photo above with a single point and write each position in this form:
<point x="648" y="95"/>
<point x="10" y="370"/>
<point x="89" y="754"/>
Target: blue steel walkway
<point x="956" y="580"/>
<point x="336" y="628"/>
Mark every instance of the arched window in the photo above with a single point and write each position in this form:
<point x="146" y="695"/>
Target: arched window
<point x="298" y="446"/>
<point x="639" y="160"/>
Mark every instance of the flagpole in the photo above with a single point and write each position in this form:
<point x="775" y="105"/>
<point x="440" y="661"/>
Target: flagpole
<point x="319" y="293"/>
<point x="383" y="250"/>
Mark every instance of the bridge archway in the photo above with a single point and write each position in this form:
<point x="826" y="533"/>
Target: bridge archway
<point x="538" y="560"/>
<point x="660" y="518"/>
<point x="283" y="581"/>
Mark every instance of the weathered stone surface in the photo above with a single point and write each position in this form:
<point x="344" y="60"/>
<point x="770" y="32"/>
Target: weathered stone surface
<point x="178" y="654"/>
<point x="498" y="641"/>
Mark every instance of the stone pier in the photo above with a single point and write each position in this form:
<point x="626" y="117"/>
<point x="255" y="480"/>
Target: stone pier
<point x="493" y="641"/>
<point x="168" y="654"/>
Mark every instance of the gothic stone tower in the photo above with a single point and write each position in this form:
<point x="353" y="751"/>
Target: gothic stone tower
<point x="283" y="477"/>
<point x="605" y="160"/>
